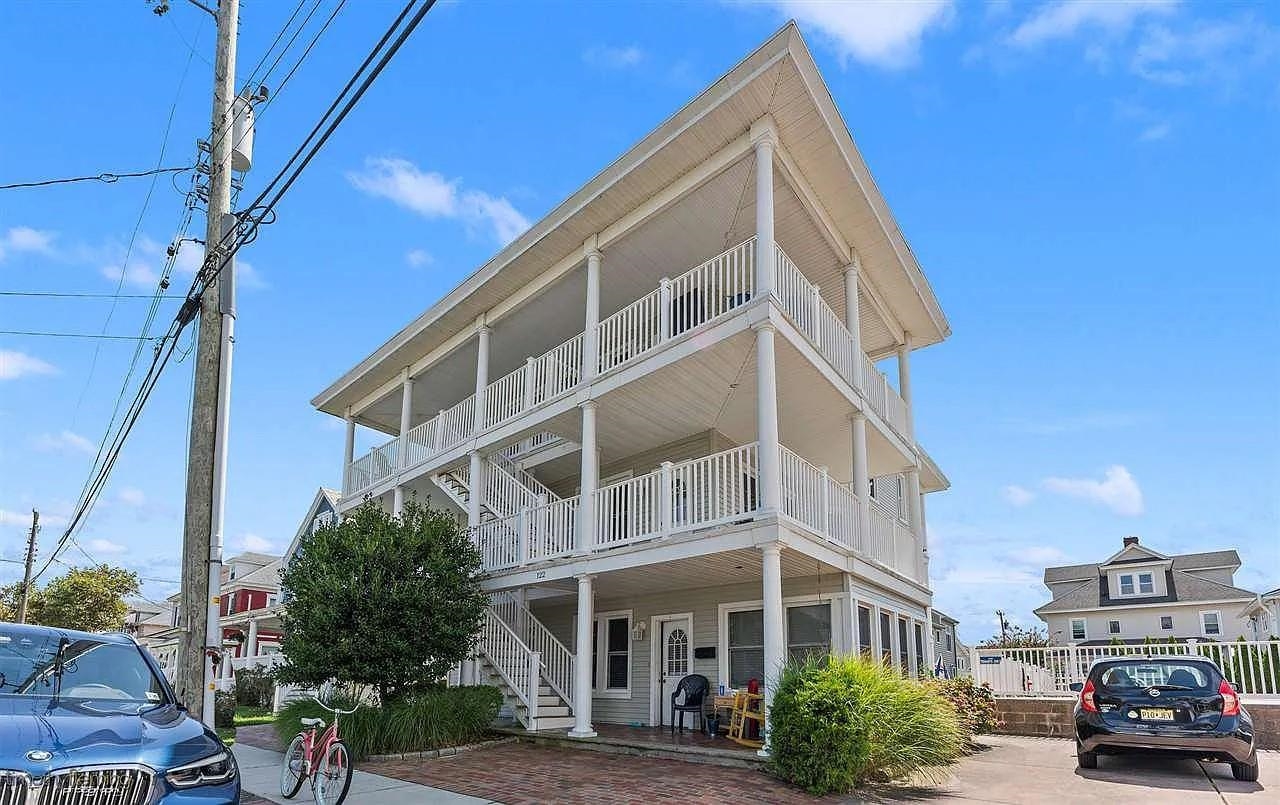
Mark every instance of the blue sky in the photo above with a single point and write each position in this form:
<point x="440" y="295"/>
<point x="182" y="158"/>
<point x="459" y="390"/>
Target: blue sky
<point x="1092" y="190"/>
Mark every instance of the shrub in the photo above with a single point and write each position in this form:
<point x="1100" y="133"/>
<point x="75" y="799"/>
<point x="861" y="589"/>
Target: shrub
<point x="224" y="709"/>
<point x="838" y="722"/>
<point x="975" y="705"/>
<point x="428" y="719"/>
<point x="254" y="687"/>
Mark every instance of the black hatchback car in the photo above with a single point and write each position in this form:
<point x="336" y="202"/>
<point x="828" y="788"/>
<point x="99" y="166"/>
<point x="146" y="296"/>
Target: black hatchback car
<point x="1177" y="705"/>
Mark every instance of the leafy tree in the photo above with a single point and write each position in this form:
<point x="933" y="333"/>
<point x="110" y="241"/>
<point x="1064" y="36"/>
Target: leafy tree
<point x="11" y="594"/>
<point x="390" y="602"/>
<point x="1017" y="637"/>
<point x="90" y="599"/>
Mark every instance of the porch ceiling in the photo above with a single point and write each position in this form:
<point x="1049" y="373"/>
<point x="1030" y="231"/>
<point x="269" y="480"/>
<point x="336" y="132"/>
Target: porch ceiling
<point x="781" y="79"/>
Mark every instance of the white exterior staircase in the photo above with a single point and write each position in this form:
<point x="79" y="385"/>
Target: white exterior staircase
<point x="517" y="654"/>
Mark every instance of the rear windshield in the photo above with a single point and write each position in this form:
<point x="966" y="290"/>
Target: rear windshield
<point x="46" y="664"/>
<point x="1170" y="674"/>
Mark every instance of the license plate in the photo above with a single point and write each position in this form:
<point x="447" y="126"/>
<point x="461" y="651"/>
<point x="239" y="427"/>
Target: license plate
<point x="1155" y="714"/>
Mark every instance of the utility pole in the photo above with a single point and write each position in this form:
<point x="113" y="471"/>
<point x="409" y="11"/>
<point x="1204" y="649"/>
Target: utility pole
<point x="26" y="574"/>
<point x="201" y="643"/>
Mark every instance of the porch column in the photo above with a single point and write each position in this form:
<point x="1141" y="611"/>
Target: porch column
<point x="861" y="477"/>
<point x="850" y="615"/>
<point x="582" y="661"/>
<point x="589" y="479"/>
<point x="764" y="137"/>
<point x="482" y="372"/>
<point x="904" y="384"/>
<point x="349" y="455"/>
<point x="476" y="493"/>
<point x="930" y="653"/>
<point x="767" y="418"/>
<point x="251" y="642"/>
<point x="852" y="315"/>
<point x="913" y="503"/>
<point x="591" y="324"/>
<point x="467" y="672"/>
<point x="406" y="423"/>
<point x="774" y="647"/>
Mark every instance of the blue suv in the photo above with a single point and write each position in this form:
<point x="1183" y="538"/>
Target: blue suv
<point x="90" y="718"/>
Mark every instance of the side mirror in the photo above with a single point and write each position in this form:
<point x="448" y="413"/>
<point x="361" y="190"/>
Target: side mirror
<point x="1075" y="687"/>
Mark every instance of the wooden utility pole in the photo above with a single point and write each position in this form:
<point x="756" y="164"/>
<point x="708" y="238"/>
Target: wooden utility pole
<point x="201" y="642"/>
<point x="26" y="574"/>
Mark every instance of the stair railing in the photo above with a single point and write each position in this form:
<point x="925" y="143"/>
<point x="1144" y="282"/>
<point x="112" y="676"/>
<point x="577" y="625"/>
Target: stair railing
<point x="515" y="662"/>
<point x="556" y="658"/>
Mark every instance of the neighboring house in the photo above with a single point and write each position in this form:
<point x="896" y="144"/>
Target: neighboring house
<point x="322" y="512"/>
<point x="146" y="619"/>
<point x="1139" y="593"/>
<point x="951" y="657"/>
<point x="660" y="413"/>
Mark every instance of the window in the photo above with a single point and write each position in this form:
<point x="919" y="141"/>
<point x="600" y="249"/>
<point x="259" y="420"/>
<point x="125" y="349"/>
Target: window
<point x="746" y="647"/>
<point x="808" y="631"/>
<point x="1126" y="584"/>
<point x="231" y="604"/>
<point x="864" y="631"/>
<point x="1210" y="623"/>
<point x="1078" y="631"/>
<point x="272" y="600"/>
<point x="1166" y="622"/>
<point x="1146" y="583"/>
<point x="920" y="658"/>
<point x="1113" y="627"/>
<point x="886" y="639"/>
<point x="904" y="656"/>
<point x="949" y="641"/>
<point x="613" y="665"/>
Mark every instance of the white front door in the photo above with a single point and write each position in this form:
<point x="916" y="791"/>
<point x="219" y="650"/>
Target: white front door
<point x="675" y="648"/>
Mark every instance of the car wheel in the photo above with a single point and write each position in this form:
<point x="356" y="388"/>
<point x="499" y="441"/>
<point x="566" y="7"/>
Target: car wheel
<point x="1086" y="760"/>
<point x="1247" y="772"/>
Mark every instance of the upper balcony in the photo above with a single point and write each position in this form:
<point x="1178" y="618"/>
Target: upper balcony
<point x="681" y="307"/>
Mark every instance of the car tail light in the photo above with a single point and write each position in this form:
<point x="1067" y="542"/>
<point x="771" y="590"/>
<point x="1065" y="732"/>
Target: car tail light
<point x="1086" y="697"/>
<point x="1230" y="699"/>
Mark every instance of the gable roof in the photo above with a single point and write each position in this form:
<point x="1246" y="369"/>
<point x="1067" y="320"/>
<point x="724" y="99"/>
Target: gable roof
<point x="266" y="577"/>
<point x="325" y="498"/>
<point x="1183" y="562"/>
<point x="1183" y="588"/>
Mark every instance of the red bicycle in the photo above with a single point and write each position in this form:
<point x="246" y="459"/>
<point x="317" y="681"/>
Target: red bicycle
<point x="324" y="758"/>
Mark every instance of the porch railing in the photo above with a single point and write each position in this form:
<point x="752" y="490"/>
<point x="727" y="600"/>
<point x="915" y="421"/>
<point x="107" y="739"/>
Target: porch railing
<point x="517" y="664"/>
<point x="1252" y="666"/>
<point x="556" y="658"/>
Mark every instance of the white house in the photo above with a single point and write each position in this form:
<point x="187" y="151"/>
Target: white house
<point x="1138" y="593"/>
<point x="661" y="414"/>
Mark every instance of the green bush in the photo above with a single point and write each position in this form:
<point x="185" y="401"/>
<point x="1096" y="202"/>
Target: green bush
<point x="429" y="719"/>
<point x="839" y="722"/>
<point x="254" y="687"/>
<point x="224" y="709"/>
<point x="975" y="705"/>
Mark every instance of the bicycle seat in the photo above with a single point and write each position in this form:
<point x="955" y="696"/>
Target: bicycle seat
<point x="313" y="722"/>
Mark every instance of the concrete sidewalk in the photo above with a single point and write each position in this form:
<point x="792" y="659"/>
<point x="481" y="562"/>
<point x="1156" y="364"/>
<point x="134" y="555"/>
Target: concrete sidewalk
<point x="260" y="775"/>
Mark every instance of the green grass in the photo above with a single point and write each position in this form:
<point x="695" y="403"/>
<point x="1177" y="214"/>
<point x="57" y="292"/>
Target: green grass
<point x="246" y="716"/>
<point x="227" y="735"/>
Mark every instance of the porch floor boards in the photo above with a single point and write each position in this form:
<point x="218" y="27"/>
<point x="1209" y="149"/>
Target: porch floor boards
<point x="691" y="745"/>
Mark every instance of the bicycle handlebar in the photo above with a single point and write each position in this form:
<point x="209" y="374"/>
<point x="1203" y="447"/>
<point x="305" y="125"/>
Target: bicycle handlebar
<point x="335" y="710"/>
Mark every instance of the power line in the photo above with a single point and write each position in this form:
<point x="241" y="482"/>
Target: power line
<point x="102" y="336"/>
<point x="88" y="295"/>
<point x="106" y="178"/>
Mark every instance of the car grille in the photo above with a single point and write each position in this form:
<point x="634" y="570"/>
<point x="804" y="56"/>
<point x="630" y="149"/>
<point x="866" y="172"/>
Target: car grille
<point x="13" y="788"/>
<point x="103" y="785"/>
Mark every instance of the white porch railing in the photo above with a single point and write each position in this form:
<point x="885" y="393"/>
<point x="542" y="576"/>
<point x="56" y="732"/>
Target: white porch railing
<point x="526" y="446"/>
<point x="556" y="658"/>
<point x="523" y="476"/>
<point x="517" y="664"/>
<point x="1252" y="666"/>
<point x="549" y="531"/>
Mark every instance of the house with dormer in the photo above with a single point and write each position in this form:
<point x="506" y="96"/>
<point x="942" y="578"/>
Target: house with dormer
<point x="1139" y="593"/>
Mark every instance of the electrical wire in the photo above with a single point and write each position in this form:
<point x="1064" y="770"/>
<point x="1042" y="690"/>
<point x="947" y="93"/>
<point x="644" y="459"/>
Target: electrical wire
<point x="87" y="295"/>
<point x="107" y="178"/>
<point x="102" y="336"/>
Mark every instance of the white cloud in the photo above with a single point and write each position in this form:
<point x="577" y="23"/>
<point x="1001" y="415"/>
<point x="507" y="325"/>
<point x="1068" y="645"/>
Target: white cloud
<point x="613" y="57"/>
<point x="137" y="272"/>
<point x="419" y="258"/>
<point x="97" y="546"/>
<point x="1118" y="490"/>
<point x="1158" y="131"/>
<point x="883" y="33"/>
<point x="191" y="257"/>
<point x="1038" y="556"/>
<point x="1066" y="18"/>
<point x="990" y="574"/>
<point x="131" y="496"/>
<point x="1016" y="495"/>
<point x="432" y="196"/>
<point x="25" y="239"/>
<point x="249" y="541"/>
<point x="1204" y="52"/>
<point x="23" y="519"/>
<point x="65" y="441"/>
<point x="14" y="364"/>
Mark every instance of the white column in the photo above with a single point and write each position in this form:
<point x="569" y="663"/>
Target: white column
<point x="406" y="424"/>
<point x="349" y="455"/>
<point x="582" y="662"/>
<point x="467" y="672"/>
<point x="930" y="657"/>
<point x="852" y="315"/>
<point x="397" y="500"/>
<point x="861" y="469"/>
<point x="251" y="642"/>
<point x="591" y="323"/>
<point x="767" y="418"/>
<point x="482" y="373"/>
<point x="774" y="647"/>
<point x="904" y="383"/>
<point x="476" y="493"/>
<point x="764" y="137"/>
<point x="851" y="616"/>
<point x="589" y="479"/>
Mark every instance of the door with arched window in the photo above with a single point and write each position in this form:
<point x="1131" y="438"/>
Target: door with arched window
<point x="675" y="660"/>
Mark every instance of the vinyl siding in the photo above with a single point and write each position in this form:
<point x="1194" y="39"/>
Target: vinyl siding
<point x="1137" y="623"/>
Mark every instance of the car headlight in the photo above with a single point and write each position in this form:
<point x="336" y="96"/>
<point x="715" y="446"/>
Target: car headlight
<point x="214" y="769"/>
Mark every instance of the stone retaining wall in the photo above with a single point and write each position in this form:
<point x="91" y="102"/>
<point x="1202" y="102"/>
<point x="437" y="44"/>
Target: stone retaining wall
<point x="1050" y="717"/>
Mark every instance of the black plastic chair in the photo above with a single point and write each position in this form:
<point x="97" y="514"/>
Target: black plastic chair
<point x="694" y="687"/>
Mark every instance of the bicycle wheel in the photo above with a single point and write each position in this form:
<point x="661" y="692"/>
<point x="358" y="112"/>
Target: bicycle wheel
<point x="332" y="776"/>
<point x="292" y="768"/>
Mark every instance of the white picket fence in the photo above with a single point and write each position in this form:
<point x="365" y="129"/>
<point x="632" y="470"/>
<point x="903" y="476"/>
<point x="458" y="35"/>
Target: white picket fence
<point x="1252" y="666"/>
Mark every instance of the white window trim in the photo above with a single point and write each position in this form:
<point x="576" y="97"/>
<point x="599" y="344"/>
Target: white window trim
<point x="722" y="624"/>
<point x="1119" y="627"/>
<point x="1152" y="579"/>
<point x="1133" y="587"/>
<point x="1071" y="628"/>
<point x="1169" y="628"/>
<point x="1218" y="615"/>
<point x="655" y="661"/>
<point x="602" y="657"/>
